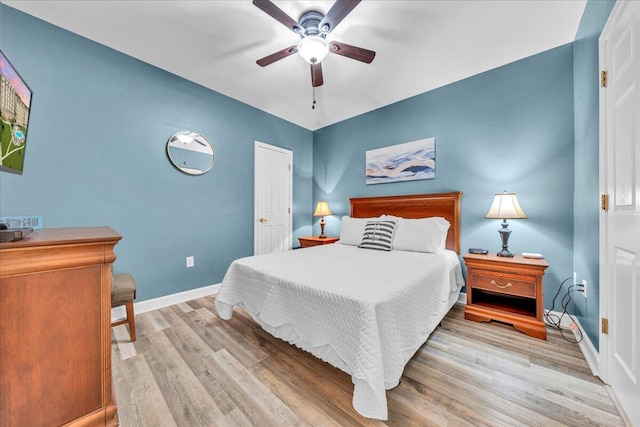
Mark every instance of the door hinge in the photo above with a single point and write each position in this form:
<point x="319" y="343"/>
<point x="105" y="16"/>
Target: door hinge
<point x="603" y="78"/>
<point x="289" y="166"/>
<point x="605" y="325"/>
<point x="604" y="202"/>
<point x="289" y="209"/>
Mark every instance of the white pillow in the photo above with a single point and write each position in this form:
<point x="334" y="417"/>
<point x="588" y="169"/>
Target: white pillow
<point x="421" y="235"/>
<point x="352" y="230"/>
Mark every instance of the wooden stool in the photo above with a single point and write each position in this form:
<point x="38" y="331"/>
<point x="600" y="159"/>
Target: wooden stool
<point x="123" y="291"/>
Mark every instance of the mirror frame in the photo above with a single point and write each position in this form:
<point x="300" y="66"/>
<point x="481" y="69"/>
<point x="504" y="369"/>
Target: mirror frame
<point x="201" y="139"/>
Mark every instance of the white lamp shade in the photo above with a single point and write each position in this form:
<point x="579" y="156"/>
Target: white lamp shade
<point x="505" y="206"/>
<point x="322" y="209"/>
<point x="313" y="49"/>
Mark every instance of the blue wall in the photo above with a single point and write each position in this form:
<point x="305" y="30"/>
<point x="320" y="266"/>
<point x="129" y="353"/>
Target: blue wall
<point x="587" y="195"/>
<point x="510" y="128"/>
<point x="96" y="156"/>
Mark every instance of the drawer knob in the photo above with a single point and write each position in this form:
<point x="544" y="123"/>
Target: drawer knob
<point x="508" y="285"/>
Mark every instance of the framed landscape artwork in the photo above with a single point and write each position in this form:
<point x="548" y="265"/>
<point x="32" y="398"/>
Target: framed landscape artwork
<point x="15" y="102"/>
<point x="403" y="162"/>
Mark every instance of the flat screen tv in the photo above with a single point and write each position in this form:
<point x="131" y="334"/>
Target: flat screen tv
<point x="15" y="102"/>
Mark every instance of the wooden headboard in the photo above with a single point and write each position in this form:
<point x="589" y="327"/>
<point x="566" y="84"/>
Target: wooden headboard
<point x="445" y="205"/>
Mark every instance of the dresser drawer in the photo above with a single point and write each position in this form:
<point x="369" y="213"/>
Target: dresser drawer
<point x="504" y="283"/>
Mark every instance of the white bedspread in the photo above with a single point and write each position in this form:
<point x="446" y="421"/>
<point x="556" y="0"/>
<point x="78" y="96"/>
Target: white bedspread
<point x="364" y="311"/>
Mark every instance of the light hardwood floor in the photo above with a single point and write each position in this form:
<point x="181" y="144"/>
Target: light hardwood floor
<point x="189" y="368"/>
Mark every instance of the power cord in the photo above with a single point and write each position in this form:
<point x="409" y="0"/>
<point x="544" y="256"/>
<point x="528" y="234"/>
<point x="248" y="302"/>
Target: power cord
<point x="554" y="320"/>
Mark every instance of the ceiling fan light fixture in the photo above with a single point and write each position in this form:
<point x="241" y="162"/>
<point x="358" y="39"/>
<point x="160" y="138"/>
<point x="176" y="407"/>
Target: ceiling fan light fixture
<point x="313" y="49"/>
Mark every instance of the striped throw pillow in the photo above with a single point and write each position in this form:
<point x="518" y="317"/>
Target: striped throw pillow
<point x="378" y="235"/>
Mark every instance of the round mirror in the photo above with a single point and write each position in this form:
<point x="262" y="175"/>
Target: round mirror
<point x="190" y="152"/>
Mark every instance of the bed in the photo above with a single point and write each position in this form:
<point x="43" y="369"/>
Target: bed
<point x="364" y="311"/>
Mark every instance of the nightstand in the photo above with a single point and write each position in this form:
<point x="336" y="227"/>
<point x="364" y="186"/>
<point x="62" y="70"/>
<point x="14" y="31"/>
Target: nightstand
<point x="307" y="242"/>
<point x="508" y="290"/>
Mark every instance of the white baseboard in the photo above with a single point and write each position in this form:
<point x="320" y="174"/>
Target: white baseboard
<point x="119" y="313"/>
<point x="462" y="298"/>
<point x="590" y="353"/>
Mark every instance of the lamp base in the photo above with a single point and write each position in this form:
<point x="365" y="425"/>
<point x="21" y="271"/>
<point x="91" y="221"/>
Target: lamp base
<point x="322" y="236"/>
<point x="505" y="253"/>
<point x="504" y="236"/>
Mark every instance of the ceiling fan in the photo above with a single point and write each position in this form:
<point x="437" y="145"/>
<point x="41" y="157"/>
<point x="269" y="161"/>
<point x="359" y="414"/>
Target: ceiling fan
<point x="313" y="29"/>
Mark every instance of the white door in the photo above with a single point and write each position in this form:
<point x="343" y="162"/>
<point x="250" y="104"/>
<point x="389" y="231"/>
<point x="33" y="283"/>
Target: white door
<point x="620" y="224"/>
<point x="273" y="199"/>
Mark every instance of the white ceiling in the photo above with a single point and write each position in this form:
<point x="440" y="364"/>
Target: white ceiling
<point x="420" y="45"/>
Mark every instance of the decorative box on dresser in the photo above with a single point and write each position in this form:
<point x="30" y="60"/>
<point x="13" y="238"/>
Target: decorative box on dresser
<point x="55" y="334"/>
<point x="506" y="289"/>
<point x="307" y="242"/>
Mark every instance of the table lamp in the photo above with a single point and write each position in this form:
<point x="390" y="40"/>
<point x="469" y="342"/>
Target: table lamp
<point x="505" y="206"/>
<point x="322" y="210"/>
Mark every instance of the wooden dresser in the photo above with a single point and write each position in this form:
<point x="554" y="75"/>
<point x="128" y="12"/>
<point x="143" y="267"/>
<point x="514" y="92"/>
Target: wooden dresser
<point x="509" y="290"/>
<point x="55" y="334"/>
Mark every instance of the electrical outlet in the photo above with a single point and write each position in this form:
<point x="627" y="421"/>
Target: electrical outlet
<point x="190" y="262"/>
<point x="575" y="278"/>
<point x="584" y="284"/>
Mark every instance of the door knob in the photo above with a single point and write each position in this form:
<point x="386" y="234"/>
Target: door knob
<point x="262" y="219"/>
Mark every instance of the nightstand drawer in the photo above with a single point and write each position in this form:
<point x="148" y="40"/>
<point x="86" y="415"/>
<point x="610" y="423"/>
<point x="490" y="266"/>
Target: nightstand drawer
<point x="504" y="283"/>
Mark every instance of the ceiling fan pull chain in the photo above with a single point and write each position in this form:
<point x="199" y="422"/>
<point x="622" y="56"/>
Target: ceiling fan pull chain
<point x="313" y="106"/>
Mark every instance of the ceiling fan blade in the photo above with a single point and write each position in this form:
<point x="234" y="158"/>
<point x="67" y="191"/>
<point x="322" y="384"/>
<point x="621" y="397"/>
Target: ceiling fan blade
<point x="338" y="11"/>
<point x="316" y="75"/>
<point x="270" y="59"/>
<point x="276" y="13"/>
<point x="353" y="52"/>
